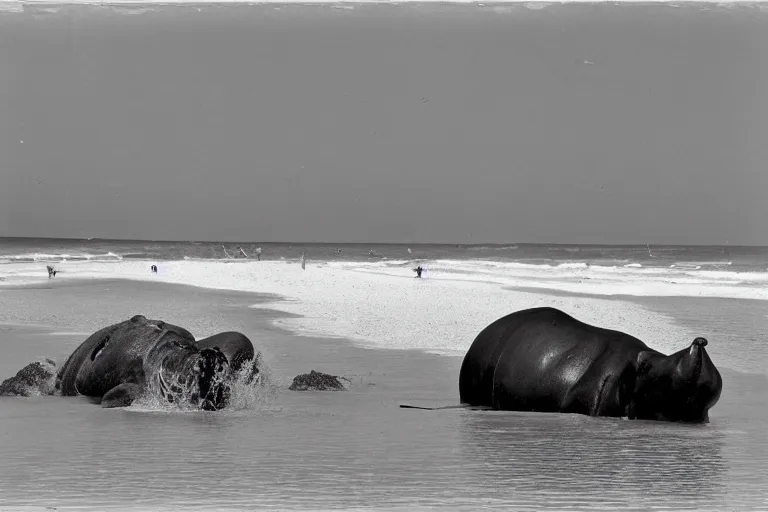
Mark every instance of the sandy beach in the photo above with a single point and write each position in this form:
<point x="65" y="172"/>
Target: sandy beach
<point x="353" y="449"/>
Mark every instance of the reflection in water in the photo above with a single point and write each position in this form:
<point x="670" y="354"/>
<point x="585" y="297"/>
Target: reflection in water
<point x="352" y="449"/>
<point x="552" y="460"/>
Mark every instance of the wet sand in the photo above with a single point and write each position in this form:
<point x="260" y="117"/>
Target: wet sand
<point x="86" y="306"/>
<point x="348" y="449"/>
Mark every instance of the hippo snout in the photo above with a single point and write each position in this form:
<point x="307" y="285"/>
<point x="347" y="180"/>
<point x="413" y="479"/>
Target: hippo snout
<point x="700" y="342"/>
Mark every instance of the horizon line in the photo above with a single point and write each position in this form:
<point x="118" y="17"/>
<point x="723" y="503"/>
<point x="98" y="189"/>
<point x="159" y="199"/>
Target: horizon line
<point x="535" y="4"/>
<point x="272" y="242"/>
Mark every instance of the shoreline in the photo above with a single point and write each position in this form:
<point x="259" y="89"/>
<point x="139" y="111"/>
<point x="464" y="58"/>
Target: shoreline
<point x="574" y="279"/>
<point x="375" y="371"/>
<point x="285" y="352"/>
<point x="668" y="333"/>
<point x="632" y="298"/>
<point x="292" y="313"/>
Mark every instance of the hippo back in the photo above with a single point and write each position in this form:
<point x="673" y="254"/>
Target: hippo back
<point x="539" y="351"/>
<point x="113" y="355"/>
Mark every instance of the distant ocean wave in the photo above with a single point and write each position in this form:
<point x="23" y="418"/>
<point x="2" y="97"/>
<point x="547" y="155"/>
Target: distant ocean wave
<point x="47" y="257"/>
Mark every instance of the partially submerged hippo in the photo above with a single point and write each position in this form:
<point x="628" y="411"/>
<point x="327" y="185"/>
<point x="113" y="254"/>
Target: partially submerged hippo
<point x="545" y="360"/>
<point x="118" y="364"/>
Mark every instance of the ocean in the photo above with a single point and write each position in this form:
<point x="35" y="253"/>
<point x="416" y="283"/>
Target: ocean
<point x="356" y="310"/>
<point x="693" y="257"/>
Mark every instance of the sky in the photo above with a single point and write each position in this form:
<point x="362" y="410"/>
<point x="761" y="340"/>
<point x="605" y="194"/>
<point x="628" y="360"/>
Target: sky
<point x="566" y="124"/>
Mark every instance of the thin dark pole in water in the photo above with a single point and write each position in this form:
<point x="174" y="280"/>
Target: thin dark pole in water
<point x="462" y="406"/>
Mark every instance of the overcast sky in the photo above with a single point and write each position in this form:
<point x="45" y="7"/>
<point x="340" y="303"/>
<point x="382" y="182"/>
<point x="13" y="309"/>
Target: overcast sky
<point x="572" y="124"/>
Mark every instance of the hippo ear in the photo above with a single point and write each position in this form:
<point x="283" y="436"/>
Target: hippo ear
<point x="139" y="319"/>
<point x="644" y="363"/>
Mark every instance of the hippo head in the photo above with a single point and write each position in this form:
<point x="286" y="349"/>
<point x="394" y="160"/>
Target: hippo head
<point x="200" y="378"/>
<point x="679" y="387"/>
<point x="212" y="375"/>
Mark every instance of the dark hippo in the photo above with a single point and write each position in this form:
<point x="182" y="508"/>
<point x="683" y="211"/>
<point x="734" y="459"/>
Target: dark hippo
<point x="119" y="363"/>
<point x="547" y="361"/>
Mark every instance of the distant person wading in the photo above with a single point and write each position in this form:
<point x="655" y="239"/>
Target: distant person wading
<point x="418" y="271"/>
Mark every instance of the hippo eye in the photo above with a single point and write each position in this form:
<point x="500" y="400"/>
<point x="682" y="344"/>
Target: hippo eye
<point x="99" y="347"/>
<point x="161" y="325"/>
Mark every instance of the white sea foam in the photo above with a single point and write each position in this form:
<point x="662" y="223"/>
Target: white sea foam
<point x="49" y="257"/>
<point x="380" y="304"/>
<point x="16" y="5"/>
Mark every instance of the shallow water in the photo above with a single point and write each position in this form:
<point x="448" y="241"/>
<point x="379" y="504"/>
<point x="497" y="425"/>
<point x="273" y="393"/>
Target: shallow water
<point x="350" y="449"/>
<point x="357" y="449"/>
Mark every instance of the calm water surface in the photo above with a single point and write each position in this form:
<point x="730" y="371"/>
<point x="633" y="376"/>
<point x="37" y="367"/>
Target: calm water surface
<point x="357" y="449"/>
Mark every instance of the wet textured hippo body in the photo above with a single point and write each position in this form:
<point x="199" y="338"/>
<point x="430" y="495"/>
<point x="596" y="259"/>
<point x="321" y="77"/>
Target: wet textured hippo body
<point x="544" y="360"/>
<point x="238" y="350"/>
<point x="119" y="363"/>
<point x="234" y="345"/>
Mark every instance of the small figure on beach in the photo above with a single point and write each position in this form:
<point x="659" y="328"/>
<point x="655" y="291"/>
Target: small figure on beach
<point x="258" y="253"/>
<point x="51" y="272"/>
<point x="303" y="261"/>
<point x="418" y="271"/>
<point x="154" y="269"/>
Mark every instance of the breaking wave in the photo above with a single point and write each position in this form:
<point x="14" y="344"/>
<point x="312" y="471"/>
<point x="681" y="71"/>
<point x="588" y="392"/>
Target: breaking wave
<point x="63" y="257"/>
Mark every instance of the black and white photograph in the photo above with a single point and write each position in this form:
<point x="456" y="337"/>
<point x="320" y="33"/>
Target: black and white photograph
<point x="383" y="256"/>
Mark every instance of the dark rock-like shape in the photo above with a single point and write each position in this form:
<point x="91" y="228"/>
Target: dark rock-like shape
<point x="547" y="361"/>
<point x="316" y="381"/>
<point x="34" y="379"/>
